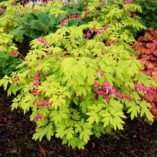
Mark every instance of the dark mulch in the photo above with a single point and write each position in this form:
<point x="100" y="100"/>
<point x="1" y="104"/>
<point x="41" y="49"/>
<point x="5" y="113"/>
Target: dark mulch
<point x="139" y="139"/>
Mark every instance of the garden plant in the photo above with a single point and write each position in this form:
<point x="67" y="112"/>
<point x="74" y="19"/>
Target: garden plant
<point x="80" y="77"/>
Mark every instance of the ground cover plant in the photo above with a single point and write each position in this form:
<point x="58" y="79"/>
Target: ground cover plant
<point x="82" y="79"/>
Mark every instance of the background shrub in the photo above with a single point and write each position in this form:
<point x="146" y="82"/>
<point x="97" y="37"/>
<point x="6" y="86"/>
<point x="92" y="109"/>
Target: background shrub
<point x="147" y="46"/>
<point x="34" y="25"/>
<point x="149" y="12"/>
<point x="8" y="63"/>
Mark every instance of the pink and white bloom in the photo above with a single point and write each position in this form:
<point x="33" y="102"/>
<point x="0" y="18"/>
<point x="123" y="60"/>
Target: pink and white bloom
<point x="129" y="1"/>
<point x="37" y="117"/>
<point x="42" y="41"/>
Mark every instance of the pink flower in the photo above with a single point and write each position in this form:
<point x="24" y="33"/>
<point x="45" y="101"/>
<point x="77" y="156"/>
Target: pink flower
<point x="74" y="16"/>
<point x="88" y="35"/>
<point x="37" y="117"/>
<point x="64" y="22"/>
<point x="41" y="104"/>
<point x="36" y="83"/>
<point x="96" y="84"/>
<point x="129" y="1"/>
<point x="42" y="41"/>
<point x="144" y="89"/>
<point x="106" y="84"/>
<point x="113" y="91"/>
<point x="101" y="6"/>
<point x="126" y="97"/>
<point x="14" y="53"/>
<point x="35" y="91"/>
<point x="151" y="91"/>
<point x="107" y="87"/>
<point x="118" y="95"/>
<point x="36" y="77"/>
<point x="98" y="31"/>
<point x="105" y="28"/>
<point x="35" y="102"/>
<point x="47" y="103"/>
<point x="135" y="15"/>
<point x="101" y="93"/>
<point x="137" y="87"/>
<point x="86" y="13"/>
<point x="108" y="91"/>
<point x="92" y="31"/>
<point x="100" y="73"/>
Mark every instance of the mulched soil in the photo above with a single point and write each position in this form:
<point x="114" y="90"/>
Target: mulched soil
<point x="138" y="139"/>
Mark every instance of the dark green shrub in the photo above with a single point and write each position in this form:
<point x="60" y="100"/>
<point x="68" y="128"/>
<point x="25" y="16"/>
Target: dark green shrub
<point x="35" y="25"/>
<point x="8" y="63"/>
<point x="149" y="12"/>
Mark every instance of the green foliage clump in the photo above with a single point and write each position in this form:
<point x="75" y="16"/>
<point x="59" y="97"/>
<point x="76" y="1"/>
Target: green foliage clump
<point x="149" y="12"/>
<point x="35" y="25"/>
<point x="7" y="23"/>
<point x="58" y="80"/>
<point x="16" y="16"/>
<point x="120" y="16"/>
<point x="8" y="63"/>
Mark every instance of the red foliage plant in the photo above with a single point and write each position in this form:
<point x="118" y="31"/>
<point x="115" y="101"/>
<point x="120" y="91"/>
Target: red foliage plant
<point x="147" y="45"/>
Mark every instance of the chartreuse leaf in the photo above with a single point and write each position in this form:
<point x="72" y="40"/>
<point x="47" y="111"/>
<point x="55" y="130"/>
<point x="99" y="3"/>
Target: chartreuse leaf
<point x="117" y="123"/>
<point x="39" y="134"/>
<point x="58" y="115"/>
<point x="78" y="128"/>
<point x="5" y="81"/>
<point x="84" y="104"/>
<point x="145" y="110"/>
<point x="133" y="109"/>
<point x="42" y="131"/>
<point x="57" y="102"/>
<point x="114" y="120"/>
<point x="106" y="118"/>
<point x="60" y="130"/>
<point x="69" y="133"/>
<point x="86" y="132"/>
<point x="26" y="102"/>
<point x="94" y="113"/>
<point x="75" y="114"/>
<point x="16" y="102"/>
<point x="93" y="117"/>
<point x="50" y="131"/>
<point x="113" y="115"/>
